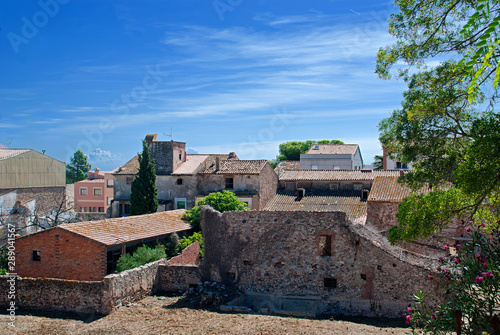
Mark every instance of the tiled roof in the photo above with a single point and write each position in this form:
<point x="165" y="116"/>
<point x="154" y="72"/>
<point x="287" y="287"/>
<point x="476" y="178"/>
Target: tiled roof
<point x="236" y="167"/>
<point x="317" y="201"/>
<point x="334" y="175"/>
<point x="191" y="165"/>
<point x="131" y="167"/>
<point x="129" y="229"/>
<point x="287" y="165"/>
<point x="387" y="189"/>
<point x="333" y="149"/>
<point x="8" y="153"/>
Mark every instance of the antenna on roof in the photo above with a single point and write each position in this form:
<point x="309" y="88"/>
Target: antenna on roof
<point x="169" y="135"/>
<point x="43" y="151"/>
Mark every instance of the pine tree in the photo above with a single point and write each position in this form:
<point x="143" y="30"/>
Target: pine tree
<point x="144" y="197"/>
<point x="77" y="168"/>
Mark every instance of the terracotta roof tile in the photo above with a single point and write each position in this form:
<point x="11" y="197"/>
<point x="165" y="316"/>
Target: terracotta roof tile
<point x="387" y="189"/>
<point x="333" y="149"/>
<point x="8" y="153"/>
<point x="131" y="167"/>
<point x="334" y="175"/>
<point x="319" y="201"/>
<point x="236" y="167"/>
<point x="129" y="229"/>
<point x="191" y="166"/>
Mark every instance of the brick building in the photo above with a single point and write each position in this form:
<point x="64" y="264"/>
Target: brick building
<point x="88" y="251"/>
<point x="31" y="184"/>
<point x="94" y="195"/>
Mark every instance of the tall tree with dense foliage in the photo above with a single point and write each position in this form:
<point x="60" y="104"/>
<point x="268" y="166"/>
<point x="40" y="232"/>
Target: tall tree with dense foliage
<point x="447" y="125"/>
<point x="290" y="151"/>
<point x="221" y="201"/>
<point x="77" y="168"/>
<point x="144" y="197"/>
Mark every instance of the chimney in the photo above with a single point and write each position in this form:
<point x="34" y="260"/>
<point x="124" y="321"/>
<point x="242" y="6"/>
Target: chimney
<point x="151" y="138"/>
<point x="301" y="192"/>
<point x="232" y="155"/>
<point x="217" y="163"/>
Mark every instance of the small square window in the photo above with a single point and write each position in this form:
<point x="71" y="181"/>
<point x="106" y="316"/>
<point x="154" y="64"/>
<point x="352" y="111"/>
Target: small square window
<point x="330" y="282"/>
<point x="35" y="255"/>
<point x="229" y="183"/>
<point x="179" y="181"/>
<point x="110" y="183"/>
<point x="101" y="209"/>
<point x="97" y="191"/>
<point x="357" y="187"/>
<point x="181" y="204"/>
<point x="334" y="187"/>
<point x="83" y="191"/>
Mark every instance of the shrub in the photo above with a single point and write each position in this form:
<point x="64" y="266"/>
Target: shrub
<point x="141" y="256"/>
<point x="471" y="279"/>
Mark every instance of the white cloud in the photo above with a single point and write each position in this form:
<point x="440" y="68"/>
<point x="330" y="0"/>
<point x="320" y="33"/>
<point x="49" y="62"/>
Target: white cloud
<point x="99" y="156"/>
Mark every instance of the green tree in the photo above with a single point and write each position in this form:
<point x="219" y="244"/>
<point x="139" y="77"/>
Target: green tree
<point x="451" y="139"/>
<point x="187" y="241"/>
<point x="378" y="163"/>
<point x="78" y="167"/>
<point x="290" y="151"/>
<point x="144" y="197"/>
<point x="220" y="201"/>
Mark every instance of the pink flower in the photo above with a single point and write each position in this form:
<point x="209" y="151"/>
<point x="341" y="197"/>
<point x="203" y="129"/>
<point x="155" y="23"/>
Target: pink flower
<point x="458" y="246"/>
<point x="410" y="310"/>
<point x="445" y="247"/>
<point x="478" y="256"/>
<point x="485" y="265"/>
<point x="447" y="278"/>
<point x="467" y="229"/>
<point x="408" y="319"/>
<point x="429" y="276"/>
<point x="457" y="260"/>
<point x="482" y="224"/>
<point x="446" y="271"/>
<point x="433" y="316"/>
<point x="440" y="259"/>
<point x="470" y="221"/>
<point x="439" y="268"/>
<point x="479" y="279"/>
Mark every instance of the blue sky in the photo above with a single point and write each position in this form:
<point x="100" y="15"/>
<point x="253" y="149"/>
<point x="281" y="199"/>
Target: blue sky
<point x="223" y="75"/>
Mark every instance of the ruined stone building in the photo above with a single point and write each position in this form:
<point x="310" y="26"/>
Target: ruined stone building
<point x="181" y="178"/>
<point x="31" y="184"/>
<point x="88" y="251"/>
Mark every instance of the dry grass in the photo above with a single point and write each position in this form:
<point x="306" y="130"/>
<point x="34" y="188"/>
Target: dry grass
<point x="165" y="315"/>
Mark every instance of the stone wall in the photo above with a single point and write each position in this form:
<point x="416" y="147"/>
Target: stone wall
<point x="128" y="286"/>
<point x="162" y="154"/>
<point x="103" y="296"/>
<point x="54" y="294"/>
<point x="310" y="254"/>
<point x="268" y="184"/>
<point x="381" y="214"/>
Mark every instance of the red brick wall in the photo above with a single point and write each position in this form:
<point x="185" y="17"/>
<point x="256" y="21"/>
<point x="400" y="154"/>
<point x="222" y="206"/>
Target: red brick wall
<point x="67" y="256"/>
<point x="190" y="255"/>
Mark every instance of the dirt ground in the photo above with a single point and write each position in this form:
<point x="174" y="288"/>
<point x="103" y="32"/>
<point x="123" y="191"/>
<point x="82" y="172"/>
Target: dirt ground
<point x="170" y="315"/>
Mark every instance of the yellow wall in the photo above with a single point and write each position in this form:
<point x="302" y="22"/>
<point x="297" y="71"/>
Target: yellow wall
<point x="32" y="169"/>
